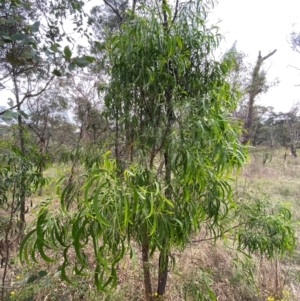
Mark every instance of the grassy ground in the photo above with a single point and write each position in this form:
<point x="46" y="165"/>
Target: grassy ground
<point x="278" y="179"/>
<point x="229" y="274"/>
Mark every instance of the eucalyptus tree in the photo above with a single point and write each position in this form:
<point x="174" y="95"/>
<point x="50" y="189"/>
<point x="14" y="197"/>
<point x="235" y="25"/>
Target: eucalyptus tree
<point x="175" y="144"/>
<point x="31" y="33"/>
<point x="32" y="56"/>
<point x="256" y="87"/>
<point x="276" y="129"/>
<point x="18" y="60"/>
<point x="252" y="82"/>
<point x="290" y="128"/>
<point x="264" y="131"/>
<point x="45" y="114"/>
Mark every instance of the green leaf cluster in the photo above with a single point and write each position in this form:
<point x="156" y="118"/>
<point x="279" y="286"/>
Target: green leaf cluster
<point x="14" y="166"/>
<point x="268" y="231"/>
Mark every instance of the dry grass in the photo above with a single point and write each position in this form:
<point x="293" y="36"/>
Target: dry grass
<point x="231" y="275"/>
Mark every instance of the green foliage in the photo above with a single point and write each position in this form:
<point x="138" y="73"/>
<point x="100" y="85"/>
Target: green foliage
<point x="20" y="177"/>
<point x="67" y="52"/>
<point x="16" y="166"/>
<point x="242" y="277"/>
<point x="168" y="101"/>
<point x="197" y="287"/>
<point x="37" y="284"/>
<point x="268" y="231"/>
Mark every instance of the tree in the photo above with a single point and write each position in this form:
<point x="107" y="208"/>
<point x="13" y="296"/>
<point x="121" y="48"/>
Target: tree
<point x="46" y="113"/>
<point x="251" y="81"/>
<point x="18" y="59"/>
<point x="262" y="126"/>
<point x="19" y="177"/>
<point x="169" y="105"/>
<point x="31" y="56"/>
<point x="276" y="129"/>
<point x="257" y="86"/>
<point x="288" y="128"/>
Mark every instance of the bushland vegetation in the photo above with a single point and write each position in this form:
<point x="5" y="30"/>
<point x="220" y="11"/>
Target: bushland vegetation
<point x="137" y="166"/>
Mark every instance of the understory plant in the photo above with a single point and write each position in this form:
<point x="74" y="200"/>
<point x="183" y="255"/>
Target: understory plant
<point x="20" y="177"/>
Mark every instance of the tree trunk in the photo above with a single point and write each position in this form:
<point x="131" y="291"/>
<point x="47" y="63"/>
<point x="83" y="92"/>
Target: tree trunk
<point x="293" y="150"/>
<point x="43" y="161"/>
<point x="117" y="146"/>
<point x="22" y="183"/>
<point x="256" y="87"/>
<point x="22" y="188"/>
<point x="146" y="268"/>
<point x="162" y="273"/>
<point x="163" y="255"/>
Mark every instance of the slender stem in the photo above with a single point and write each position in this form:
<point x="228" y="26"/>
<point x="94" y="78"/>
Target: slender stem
<point x="163" y="255"/>
<point x="146" y="268"/>
<point x="6" y="243"/>
<point x="22" y="148"/>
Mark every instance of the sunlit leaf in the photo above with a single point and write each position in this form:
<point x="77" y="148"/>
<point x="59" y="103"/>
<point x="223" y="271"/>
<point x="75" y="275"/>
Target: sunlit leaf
<point x="31" y="279"/>
<point x="81" y="61"/>
<point x="35" y="27"/>
<point x="71" y="66"/>
<point x="8" y="114"/>
<point x="42" y="274"/>
<point x="57" y="72"/>
<point x="67" y="52"/>
<point x="18" y="36"/>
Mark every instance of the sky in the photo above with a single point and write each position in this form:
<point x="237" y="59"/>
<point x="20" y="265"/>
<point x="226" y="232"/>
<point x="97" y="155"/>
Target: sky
<point x="265" y="25"/>
<point x="258" y="25"/>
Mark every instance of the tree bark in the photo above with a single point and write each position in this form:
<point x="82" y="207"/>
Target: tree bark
<point x="162" y="273"/>
<point x="163" y="255"/>
<point x="146" y="268"/>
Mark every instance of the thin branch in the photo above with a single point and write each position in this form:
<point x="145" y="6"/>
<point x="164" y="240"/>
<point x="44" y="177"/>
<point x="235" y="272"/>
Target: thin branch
<point x="133" y="6"/>
<point x="5" y="76"/>
<point x="267" y="56"/>
<point x="19" y="72"/>
<point x="176" y="11"/>
<point x="165" y="17"/>
<point x="29" y="96"/>
<point x="35" y="131"/>
<point x="295" y="67"/>
<point x="218" y="236"/>
<point x="114" y="10"/>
